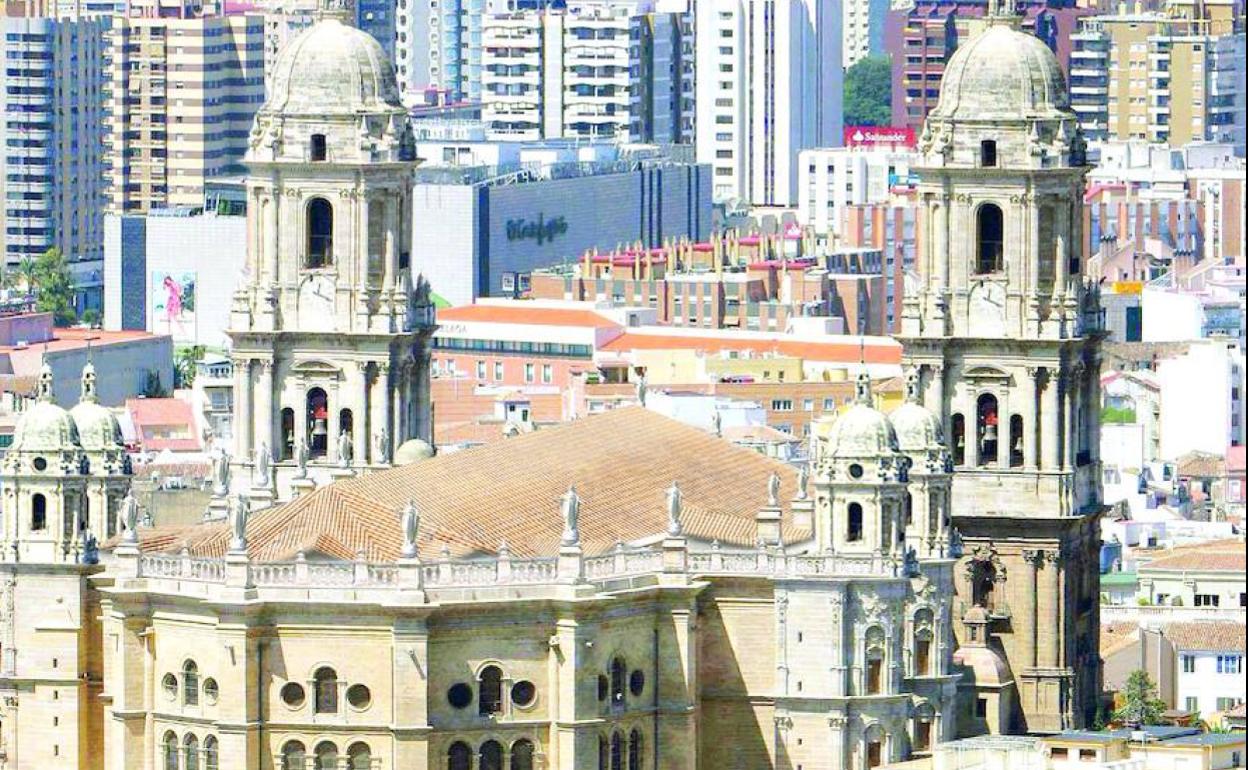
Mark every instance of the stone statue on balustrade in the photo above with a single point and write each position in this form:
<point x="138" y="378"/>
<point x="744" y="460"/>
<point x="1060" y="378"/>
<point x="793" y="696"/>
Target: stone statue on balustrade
<point x="675" y="506"/>
<point x="570" y="507"/>
<point x="411" y="528"/>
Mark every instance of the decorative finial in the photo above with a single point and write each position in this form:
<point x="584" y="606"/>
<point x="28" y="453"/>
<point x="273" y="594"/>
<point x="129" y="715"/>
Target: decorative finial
<point x="88" y="394"/>
<point x="45" y="381"/>
<point x="862" y="388"/>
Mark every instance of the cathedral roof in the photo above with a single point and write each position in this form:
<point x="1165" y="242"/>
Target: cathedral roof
<point x="1002" y="73"/>
<point x="862" y="430"/>
<point x="621" y="462"/>
<point x="333" y="68"/>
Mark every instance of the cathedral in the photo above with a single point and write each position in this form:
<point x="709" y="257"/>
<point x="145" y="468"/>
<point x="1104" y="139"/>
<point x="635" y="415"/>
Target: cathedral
<point x="623" y="592"/>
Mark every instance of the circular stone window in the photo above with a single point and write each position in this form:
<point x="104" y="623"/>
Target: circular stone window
<point x="40" y="464"/>
<point x="523" y="693"/>
<point x="459" y="696"/>
<point x="292" y="694"/>
<point x="211" y="692"/>
<point x="170" y="685"/>
<point x="636" y="682"/>
<point x="359" y="697"/>
<point x="855" y="471"/>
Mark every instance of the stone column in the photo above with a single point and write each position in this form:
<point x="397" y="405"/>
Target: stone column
<point x="837" y="727"/>
<point x="1070" y="403"/>
<point x="301" y="413"/>
<point x="1032" y="558"/>
<point x="1049" y="622"/>
<point x="1003" y="429"/>
<point x="264" y="405"/>
<point x="936" y="398"/>
<point x="357" y="386"/>
<point x="970" y="422"/>
<point x="397" y="402"/>
<point x="362" y="239"/>
<point x="242" y="408"/>
<point x="379" y="402"/>
<point x="1031" y="418"/>
<point x="392" y="246"/>
<point x="1050" y="421"/>
<point x="271" y="251"/>
<point x="1061" y="258"/>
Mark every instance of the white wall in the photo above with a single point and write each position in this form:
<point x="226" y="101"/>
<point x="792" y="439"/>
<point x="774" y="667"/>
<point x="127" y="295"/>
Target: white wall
<point x="1196" y="399"/>
<point x="1206" y="685"/>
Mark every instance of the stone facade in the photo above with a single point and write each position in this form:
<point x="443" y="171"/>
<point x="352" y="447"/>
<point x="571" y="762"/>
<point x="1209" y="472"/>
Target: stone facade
<point x="1007" y="338"/>
<point x="329" y="329"/>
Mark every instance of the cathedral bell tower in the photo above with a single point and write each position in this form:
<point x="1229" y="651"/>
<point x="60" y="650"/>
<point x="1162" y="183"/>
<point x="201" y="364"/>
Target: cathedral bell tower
<point x="1006" y="336"/>
<point x="330" y="327"/>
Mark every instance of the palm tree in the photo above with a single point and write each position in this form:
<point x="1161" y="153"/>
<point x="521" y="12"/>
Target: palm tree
<point x="27" y="270"/>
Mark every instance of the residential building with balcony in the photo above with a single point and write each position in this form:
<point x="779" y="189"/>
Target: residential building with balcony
<point x="1169" y="77"/>
<point x="52" y="161"/>
<point x="182" y="95"/>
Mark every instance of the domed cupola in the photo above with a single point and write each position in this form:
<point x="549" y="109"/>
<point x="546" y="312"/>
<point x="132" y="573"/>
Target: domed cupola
<point x="862" y="431"/>
<point x="45" y="427"/>
<point x="98" y="429"/>
<point x="919" y="432"/>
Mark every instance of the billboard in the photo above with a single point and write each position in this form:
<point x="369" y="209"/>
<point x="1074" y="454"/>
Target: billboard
<point x="879" y="137"/>
<point x="173" y="305"/>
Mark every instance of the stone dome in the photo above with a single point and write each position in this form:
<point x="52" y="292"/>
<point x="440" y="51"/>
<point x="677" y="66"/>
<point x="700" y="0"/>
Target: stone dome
<point x="917" y="429"/>
<point x="45" y="427"/>
<point x="413" y="451"/>
<point x="1002" y="73"/>
<point x="98" y="428"/>
<point x="332" y="68"/>
<point x="863" y="430"/>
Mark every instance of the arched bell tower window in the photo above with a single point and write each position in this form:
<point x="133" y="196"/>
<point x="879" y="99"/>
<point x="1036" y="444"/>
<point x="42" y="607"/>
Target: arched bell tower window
<point x="318" y="151"/>
<point x="320" y="233"/>
<point x="288" y="433"/>
<point x="853" y="524"/>
<point x="990" y="232"/>
<point x="988" y="153"/>
<point x="959" y="439"/>
<point x="1016" y="440"/>
<point x="986" y="419"/>
<point x="318" y="422"/>
<point x="983" y="585"/>
<point x="38" y="513"/>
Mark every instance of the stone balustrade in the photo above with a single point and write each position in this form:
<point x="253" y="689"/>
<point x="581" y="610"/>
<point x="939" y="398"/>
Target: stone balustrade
<point x="503" y="570"/>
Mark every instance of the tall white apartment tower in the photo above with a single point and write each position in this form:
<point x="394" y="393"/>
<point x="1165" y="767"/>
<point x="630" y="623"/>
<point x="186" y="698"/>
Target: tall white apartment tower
<point x="768" y="85"/>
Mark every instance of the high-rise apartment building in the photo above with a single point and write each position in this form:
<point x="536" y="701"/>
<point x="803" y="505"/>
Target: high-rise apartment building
<point x="862" y="29"/>
<point x="768" y="86"/>
<point x="921" y="38"/>
<point x="1172" y="77"/>
<point x="597" y="71"/>
<point x="183" y="93"/>
<point x="51" y="112"/>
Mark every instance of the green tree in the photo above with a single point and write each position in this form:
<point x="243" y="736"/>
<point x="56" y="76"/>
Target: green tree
<point x="184" y="366"/>
<point x="1140" y="704"/>
<point x="869" y="92"/>
<point x="53" y="286"/>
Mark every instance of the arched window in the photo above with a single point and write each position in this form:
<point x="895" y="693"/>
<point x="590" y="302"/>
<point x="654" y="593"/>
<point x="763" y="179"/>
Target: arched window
<point x="983" y="583"/>
<point x="908" y="509"/>
<point x="376" y="241"/>
<point x="853" y="523"/>
<point x="923" y="727"/>
<point x="988" y="153"/>
<point x="1016" y="441"/>
<point x="110" y="516"/>
<point x="288" y="433"/>
<point x="490" y="694"/>
<point x="212" y="754"/>
<point x="491" y="756"/>
<point x="874" y="742"/>
<point x="320" y="244"/>
<point x="459" y="757"/>
<point x="318" y="422"/>
<point x="170" y="750"/>
<point x="619" y="673"/>
<point x="326" y="756"/>
<point x="294" y="756"/>
<point x="190" y="747"/>
<point x="190" y="683"/>
<point x="634" y="750"/>
<point x="522" y="755"/>
<point x="617" y="751"/>
<point x="359" y="757"/>
<point x="325" y="683"/>
<point x="990" y="228"/>
<point x="317" y="148"/>
<point x="986" y="428"/>
<point x="959" y="439"/>
<point x="346" y="423"/>
<point x="603" y="751"/>
<point x="38" y="513"/>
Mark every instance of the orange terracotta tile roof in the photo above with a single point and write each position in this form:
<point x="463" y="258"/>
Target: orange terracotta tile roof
<point x="1118" y="636"/>
<point x="542" y="316"/>
<point x="1207" y="636"/>
<point x="1216" y="556"/>
<point x="1201" y="465"/>
<point x="149" y="414"/>
<point x="621" y="461"/>
<point x="877" y="351"/>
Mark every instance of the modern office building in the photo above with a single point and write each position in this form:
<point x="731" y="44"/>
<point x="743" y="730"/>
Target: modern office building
<point x="478" y="231"/>
<point x="863" y="29"/>
<point x="51" y="112"/>
<point x="768" y="86"/>
<point x="1169" y="77"/>
<point x="829" y="179"/>
<point x="183" y="93"/>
